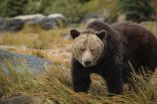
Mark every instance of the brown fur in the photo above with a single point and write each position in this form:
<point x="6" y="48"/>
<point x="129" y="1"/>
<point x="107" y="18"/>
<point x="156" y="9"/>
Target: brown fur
<point x="140" y="44"/>
<point x="123" y="42"/>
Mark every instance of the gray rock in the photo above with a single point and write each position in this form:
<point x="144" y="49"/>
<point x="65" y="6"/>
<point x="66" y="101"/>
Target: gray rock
<point x="17" y="100"/>
<point x="29" y="17"/>
<point x="22" y="62"/>
<point x="14" y="25"/>
<point x="11" y="25"/>
<point x="56" y="20"/>
<point x="22" y="99"/>
<point x="47" y="23"/>
<point x="52" y="21"/>
<point x="59" y="18"/>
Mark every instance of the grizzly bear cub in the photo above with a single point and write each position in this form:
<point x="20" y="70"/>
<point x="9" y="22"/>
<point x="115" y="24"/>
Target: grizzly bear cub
<point x="106" y="50"/>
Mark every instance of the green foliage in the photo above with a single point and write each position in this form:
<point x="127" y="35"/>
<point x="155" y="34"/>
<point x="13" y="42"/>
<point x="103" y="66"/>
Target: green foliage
<point x="2" y="7"/>
<point x="35" y="6"/>
<point x="12" y="8"/>
<point x="72" y="9"/>
<point x="76" y="10"/>
<point x="136" y="10"/>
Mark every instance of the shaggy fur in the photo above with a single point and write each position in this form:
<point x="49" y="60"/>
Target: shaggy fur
<point x="125" y="42"/>
<point x="140" y="48"/>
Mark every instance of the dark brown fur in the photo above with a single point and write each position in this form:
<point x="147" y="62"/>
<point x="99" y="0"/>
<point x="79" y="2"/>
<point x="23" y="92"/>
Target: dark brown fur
<point x="139" y="45"/>
<point x="125" y="42"/>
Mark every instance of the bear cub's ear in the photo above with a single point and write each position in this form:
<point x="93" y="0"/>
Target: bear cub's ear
<point x="74" y="33"/>
<point x="102" y="34"/>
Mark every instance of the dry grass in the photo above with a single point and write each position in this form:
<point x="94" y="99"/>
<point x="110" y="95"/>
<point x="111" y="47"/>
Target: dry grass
<point x="55" y="84"/>
<point x="58" y="87"/>
<point x="35" y="38"/>
<point x="13" y="81"/>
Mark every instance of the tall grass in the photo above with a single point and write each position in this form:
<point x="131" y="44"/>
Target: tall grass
<point x="17" y="80"/>
<point x="58" y="88"/>
<point x="55" y="84"/>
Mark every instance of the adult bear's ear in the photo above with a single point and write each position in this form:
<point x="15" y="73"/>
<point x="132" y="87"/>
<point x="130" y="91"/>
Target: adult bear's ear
<point x="74" y="33"/>
<point x="102" y="34"/>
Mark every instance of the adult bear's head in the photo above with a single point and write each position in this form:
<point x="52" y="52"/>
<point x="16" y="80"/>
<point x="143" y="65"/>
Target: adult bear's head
<point x="88" y="46"/>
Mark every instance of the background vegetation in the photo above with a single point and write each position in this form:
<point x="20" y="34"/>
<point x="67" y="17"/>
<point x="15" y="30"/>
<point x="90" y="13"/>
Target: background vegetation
<point x="77" y="10"/>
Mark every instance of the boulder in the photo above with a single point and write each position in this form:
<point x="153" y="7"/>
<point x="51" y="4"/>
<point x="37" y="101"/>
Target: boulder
<point x="21" y="99"/>
<point x="11" y="25"/>
<point x="59" y="18"/>
<point x="56" y="20"/>
<point x="34" y="19"/>
<point x="3" y="25"/>
<point x="29" y="17"/>
<point x="47" y="23"/>
<point x="14" y="25"/>
<point x="52" y="21"/>
<point x="22" y="62"/>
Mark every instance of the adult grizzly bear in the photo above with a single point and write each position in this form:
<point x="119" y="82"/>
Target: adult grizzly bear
<point x="106" y="49"/>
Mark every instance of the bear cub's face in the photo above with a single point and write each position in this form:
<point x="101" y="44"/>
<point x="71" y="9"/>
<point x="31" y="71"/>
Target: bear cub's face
<point x="88" y="47"/>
